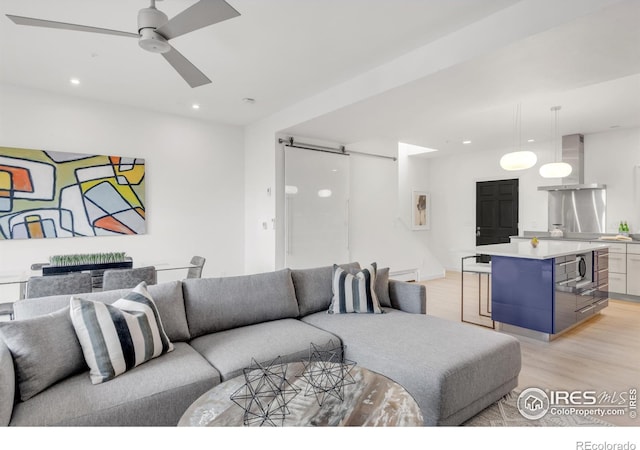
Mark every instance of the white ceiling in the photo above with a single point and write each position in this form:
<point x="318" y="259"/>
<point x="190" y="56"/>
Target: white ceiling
<point x="283" y="51"/>
<point x="277" y="51"/>
<point x="590" y="67"/>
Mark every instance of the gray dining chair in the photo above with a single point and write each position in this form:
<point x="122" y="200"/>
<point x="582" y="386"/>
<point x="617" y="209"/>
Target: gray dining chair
<point x="71" y="283"/>
<point x="6" y="309"/>
<point x="128" y="278"/>
<point x="196" y="272"/>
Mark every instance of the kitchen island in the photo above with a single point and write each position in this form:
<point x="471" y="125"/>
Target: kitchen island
<point x="624" y="259"/>
<point x="545" y="290"/>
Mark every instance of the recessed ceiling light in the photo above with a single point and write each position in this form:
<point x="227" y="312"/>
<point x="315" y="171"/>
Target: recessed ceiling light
<point x="531" y="140"/>
<point x="195" y="106"/>
<point x="249" y="100"/>
<point x="466" y="142"/>
<point x="74" y="81"/>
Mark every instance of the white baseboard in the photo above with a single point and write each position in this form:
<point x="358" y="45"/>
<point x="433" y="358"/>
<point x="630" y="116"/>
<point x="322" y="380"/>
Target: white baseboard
<point x="433" y="276"/>
<point x="415" y="275"/>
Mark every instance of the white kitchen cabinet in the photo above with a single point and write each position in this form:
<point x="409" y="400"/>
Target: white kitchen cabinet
<point x="617" y="266"/>
<point x="633" y="272"/>
<point x="614" y="247"/>
<point x="617" y="282"/>
<point x="617" y="262"/>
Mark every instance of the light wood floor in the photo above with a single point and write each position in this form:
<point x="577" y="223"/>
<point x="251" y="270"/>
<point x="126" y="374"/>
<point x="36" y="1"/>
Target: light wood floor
<point x="602" y="354"/>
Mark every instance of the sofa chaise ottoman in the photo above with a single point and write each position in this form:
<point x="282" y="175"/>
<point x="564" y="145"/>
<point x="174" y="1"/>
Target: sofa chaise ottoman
<point x="453" y="370"/>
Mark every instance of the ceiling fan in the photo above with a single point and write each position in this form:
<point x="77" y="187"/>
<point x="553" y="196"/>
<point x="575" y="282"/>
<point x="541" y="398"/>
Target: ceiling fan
<point x="155" y="30"/>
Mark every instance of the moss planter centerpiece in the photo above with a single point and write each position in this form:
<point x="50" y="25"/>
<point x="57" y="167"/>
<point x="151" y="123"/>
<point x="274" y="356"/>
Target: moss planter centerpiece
<point x="89" y="261"/>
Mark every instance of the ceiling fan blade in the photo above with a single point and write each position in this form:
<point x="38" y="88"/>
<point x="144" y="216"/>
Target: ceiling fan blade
<point x="183" y="66"/>
<point x="19" y="20"/>
<point x="199" y="15"/>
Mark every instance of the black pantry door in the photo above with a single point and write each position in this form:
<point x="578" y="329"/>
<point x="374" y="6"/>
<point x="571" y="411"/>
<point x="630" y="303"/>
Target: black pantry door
<point x="496" y="212"/>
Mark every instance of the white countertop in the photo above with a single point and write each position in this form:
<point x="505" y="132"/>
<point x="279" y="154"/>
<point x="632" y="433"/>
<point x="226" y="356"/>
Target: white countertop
<point x="544" y="250"/>
<point x="607" y="238"/>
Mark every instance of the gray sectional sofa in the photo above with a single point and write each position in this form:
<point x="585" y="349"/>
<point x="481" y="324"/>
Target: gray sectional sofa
<point x="219" y="325"/>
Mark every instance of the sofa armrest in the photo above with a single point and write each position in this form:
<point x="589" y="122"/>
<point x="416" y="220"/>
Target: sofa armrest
<point x="7" y="384"/>
<point x="408" y="297"/>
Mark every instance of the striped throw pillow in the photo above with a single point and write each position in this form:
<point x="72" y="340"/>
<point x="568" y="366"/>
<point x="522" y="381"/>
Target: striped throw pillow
<point x="118" y="337"/>
<point x="354" y="292"/>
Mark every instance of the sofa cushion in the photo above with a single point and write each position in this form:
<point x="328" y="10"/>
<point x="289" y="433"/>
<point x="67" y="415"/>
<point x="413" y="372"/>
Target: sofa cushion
<point x="7" y="385"/>
<point x="45" y="350"/>
<point x="218" y="304"/>
<point x="118" y="337"/>
<point x="354" y="293"/>
<point x="313" y="287"/>
<point x="232" y="350"/>
<point x="155" y="393"/>
<point x="167" y="296"/>
<point x="382" y="287"/>
<point x="447" y="366"/>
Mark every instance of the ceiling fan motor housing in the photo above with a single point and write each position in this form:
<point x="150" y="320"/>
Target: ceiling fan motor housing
<point x="149" y="19"/>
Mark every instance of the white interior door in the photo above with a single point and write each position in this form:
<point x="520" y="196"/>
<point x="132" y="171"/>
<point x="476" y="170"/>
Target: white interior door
<point x="316" y="208"/>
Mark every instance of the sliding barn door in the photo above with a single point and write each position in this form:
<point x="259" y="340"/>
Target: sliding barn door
<point x="316" y="208"/>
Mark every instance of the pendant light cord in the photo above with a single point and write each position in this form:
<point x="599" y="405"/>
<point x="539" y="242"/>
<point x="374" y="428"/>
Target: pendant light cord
<point x="556" y="134"/>
<point x="517" y="135"/>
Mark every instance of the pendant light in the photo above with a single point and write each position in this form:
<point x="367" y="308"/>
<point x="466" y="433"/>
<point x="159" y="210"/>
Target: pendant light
<point x="518" y="160"/>
<point x="557" y="169"/>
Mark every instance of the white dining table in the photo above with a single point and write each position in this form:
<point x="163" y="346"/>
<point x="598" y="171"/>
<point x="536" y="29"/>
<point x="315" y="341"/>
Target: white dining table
<point x="13" y="279"/>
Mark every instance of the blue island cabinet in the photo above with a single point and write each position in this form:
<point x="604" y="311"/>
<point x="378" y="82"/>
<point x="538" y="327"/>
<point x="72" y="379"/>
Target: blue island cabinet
<point x="523" y="292"/>
<point x="544" y="290"/>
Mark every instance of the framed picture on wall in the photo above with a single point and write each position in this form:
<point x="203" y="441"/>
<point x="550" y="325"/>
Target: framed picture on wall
<point x="420" y="210"/>
<point x="52" y="194"/>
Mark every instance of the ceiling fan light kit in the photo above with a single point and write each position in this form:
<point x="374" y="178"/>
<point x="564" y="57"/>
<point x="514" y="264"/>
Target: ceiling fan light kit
<point x="149" y="20"/>
<point x="155" y="30"/>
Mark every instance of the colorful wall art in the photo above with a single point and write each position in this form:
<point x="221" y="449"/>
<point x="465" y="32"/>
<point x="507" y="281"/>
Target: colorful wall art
<point x="45" y="194"/>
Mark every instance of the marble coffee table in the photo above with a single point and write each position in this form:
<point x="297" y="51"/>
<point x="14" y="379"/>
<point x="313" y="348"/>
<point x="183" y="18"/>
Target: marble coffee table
<point x="370" y="400"/>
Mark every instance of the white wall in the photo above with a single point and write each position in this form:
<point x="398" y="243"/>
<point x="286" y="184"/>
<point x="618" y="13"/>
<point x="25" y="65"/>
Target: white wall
<point x="610" y="158"/>
<point x="453" y="196"/>
<point x="260" y="199"/>
<point x="380" y="225"/>
<point x="379" y="203"/>
<point x="262" y="150"/>
<point x="194" y="178"/>
<point x="381" y="191"/>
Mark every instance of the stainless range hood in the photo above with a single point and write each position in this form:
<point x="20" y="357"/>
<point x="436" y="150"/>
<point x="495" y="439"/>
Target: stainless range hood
<point x="576" y="206"/>
<point x="573" y="154"/>
<point x="572" y="187"/>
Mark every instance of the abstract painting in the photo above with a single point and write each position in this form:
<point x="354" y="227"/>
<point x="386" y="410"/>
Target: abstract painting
<point x="49" y="194"/>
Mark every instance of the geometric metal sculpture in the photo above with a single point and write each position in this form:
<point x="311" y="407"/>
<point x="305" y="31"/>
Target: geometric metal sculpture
<point x="266" y="394"/>
<point x="327" y="372"/>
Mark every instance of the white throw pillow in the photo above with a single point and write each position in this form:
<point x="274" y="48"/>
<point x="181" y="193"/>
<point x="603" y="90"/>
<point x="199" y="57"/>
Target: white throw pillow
<point x="118" y="337"/>
<point x="354" y="293"/>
